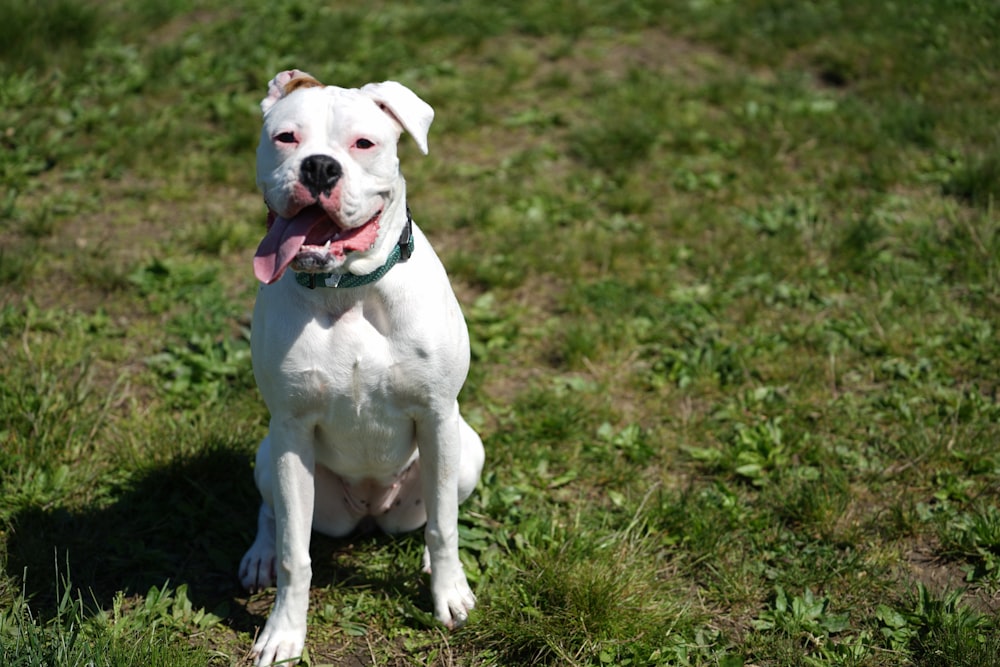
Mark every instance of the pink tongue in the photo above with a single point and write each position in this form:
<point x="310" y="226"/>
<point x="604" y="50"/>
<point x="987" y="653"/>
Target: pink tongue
<point x="282" y="243"/>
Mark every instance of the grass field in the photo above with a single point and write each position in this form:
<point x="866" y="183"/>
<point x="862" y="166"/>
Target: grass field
<point x="732" y="275"/>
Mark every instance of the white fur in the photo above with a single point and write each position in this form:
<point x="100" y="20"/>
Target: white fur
<point x="361" y="383"/>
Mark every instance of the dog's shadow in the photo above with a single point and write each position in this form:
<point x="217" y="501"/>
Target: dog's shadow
<point x="186" y="522"/>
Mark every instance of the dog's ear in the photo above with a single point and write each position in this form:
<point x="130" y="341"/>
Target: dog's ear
<point x="284" y="83"/>
<point x="402" y="104"/>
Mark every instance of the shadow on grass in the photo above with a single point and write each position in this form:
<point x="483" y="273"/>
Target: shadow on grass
<point x="187" y="522"/>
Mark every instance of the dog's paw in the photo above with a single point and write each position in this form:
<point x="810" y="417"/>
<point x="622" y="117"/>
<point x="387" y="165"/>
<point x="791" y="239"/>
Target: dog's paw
<point x="278" y="646"/>
<point x="257" y="569"/>
<point x="453" y="600"/>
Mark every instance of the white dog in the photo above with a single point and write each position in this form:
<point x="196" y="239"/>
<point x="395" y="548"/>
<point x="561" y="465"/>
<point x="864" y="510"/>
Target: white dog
<point x="359" y="350"/>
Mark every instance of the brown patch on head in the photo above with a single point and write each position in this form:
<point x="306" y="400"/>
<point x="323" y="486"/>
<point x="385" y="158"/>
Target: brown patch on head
<point x="301" y="82"/>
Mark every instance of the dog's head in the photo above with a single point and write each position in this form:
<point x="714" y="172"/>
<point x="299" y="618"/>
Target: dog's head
<point x="327" y="166"/>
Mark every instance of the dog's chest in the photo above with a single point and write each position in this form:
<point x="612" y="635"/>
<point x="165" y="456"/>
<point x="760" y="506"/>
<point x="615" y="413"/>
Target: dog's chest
<point x="347" y="360"/>
<point x="356" y="370"/>
<point x="342" y="371"/>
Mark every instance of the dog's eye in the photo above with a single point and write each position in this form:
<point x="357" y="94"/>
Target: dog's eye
<point x="285" y="138"/>
<point x="364" y="144"/>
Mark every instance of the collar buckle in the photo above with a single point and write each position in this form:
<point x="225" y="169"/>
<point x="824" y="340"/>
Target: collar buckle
<point x="406" y="238"/>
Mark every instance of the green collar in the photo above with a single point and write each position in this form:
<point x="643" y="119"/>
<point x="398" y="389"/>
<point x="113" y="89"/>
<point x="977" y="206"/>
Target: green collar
<point x="400" y="253"/>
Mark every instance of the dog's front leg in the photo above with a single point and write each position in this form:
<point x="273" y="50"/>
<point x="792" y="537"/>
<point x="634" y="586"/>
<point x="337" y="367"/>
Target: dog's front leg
<point x="293" y="494"/>
<point x="439" y="441"/>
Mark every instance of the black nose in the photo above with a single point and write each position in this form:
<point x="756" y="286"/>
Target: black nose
<point x="320" y="173"/>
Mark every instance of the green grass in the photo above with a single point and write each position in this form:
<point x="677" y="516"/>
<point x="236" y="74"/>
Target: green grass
<point x="732" y="275"/>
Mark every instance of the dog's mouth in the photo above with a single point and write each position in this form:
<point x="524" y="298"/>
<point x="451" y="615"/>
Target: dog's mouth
<point x="311" y="231"/>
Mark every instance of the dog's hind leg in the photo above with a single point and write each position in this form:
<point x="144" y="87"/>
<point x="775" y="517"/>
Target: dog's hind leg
<point x="332" y="514"/>
<point x="473" y="457"/>
<point x="407" y="511"/>
<point x="257" y="569"/>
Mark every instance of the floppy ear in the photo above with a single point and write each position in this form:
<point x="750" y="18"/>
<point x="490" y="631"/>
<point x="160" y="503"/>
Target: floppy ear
<point x="284" y="83"/>
<point x="402" y="104"/>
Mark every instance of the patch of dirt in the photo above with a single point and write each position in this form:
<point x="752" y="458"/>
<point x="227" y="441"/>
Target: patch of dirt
<point x="174" y="29"/>
<point x="652" y="50"/>
<point x="939" y="575"/>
